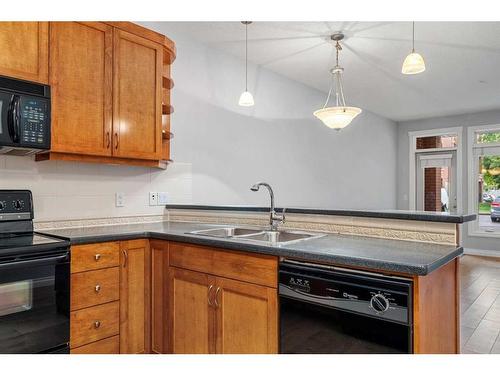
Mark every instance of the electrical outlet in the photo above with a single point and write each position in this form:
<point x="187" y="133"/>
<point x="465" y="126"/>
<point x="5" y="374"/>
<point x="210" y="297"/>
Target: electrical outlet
<point x="162" y="198"/>
<point x="153" y="199"/>
<point x="120" y="199"/>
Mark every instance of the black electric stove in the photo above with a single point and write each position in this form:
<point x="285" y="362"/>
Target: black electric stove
<point x="34" y="281"/>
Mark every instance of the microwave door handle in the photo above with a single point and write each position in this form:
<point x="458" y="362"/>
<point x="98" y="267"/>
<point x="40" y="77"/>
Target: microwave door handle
<point x="13" y="118"/>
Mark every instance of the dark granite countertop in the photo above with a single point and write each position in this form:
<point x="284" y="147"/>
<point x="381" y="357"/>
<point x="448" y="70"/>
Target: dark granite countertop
<point x="413" y="258"/>
<point x="442" y="217"/>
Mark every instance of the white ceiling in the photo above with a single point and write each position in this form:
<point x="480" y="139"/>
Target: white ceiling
<point x="462" y="59"/>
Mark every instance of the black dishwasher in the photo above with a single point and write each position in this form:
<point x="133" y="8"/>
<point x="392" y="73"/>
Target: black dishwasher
<point x="331" y="310"/>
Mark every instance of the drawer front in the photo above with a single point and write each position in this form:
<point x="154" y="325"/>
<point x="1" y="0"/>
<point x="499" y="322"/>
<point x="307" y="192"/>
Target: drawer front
<point x="94" y="287"/>
<point x="253" y="268"/>
<point x="94" y="323"/>
<point x="111" y="345"/>
<point x="94" y="256"/>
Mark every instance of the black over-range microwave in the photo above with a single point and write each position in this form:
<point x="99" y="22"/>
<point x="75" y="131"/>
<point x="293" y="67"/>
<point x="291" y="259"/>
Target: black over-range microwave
<point x="24" y="117"/>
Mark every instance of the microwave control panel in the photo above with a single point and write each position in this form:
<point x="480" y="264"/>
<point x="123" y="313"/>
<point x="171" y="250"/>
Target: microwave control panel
<point x="34" y="122"/>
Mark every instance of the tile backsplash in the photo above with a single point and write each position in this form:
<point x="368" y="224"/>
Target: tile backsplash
<point x="69" y="190"/>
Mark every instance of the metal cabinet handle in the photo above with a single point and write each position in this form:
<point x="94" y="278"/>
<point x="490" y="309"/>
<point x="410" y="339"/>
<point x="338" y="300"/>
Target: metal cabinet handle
<point x="97" y="257"/>
<point x="210" y="291"/>
<point x="97" y="288"/>
<point x="125" y="258"/>
<point x="116" y="141"/>
<point x="108" y="139"/>
<point x="217" y="305"/>
<point x="97" y="324"/>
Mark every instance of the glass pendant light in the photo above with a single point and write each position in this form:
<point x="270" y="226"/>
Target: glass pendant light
<point x="246" y="98"/>
<point x="414" y="62"/>
<point x="339" y="116"/>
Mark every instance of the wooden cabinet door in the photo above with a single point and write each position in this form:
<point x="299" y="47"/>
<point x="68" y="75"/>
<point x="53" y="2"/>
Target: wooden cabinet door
<point x="190" y="315"/>
<point x="159" y="296"/>
<point x="136" y="96"/>
<point x="24" y="50"/>
<point x="135" y="297"/>
<point x="80" y="76"/>
<point x="247" y="318"/>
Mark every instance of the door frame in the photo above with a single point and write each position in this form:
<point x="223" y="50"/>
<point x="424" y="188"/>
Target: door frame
<point x="413" y="135"/>
<point x="420" y="175"/>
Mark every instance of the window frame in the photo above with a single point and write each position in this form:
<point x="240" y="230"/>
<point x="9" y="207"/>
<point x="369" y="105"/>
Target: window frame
<point x="472" y="172"/>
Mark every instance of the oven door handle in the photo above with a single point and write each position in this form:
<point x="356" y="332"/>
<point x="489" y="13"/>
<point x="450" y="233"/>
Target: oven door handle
<point x="33" y="262"/>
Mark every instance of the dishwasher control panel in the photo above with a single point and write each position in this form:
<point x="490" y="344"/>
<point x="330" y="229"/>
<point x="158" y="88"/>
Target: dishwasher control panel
<point x="363" y="293"/>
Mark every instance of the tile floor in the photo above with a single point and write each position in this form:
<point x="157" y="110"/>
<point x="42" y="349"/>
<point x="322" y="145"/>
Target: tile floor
<point x="480" y="304"/>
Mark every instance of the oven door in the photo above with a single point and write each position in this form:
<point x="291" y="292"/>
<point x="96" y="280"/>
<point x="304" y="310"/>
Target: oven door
<point x="307" y="328"/>
<point x="34" y="304"/>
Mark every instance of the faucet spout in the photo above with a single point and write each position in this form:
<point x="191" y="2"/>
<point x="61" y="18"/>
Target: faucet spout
<point x="274" y="219"/>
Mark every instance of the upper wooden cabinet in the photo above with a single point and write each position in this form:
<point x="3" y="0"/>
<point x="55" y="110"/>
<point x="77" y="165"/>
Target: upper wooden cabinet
<point x="24" y="50"/>
<point x="110" y="93"/>
<point x="137" y="83"/>
<point x="81" y="63"/>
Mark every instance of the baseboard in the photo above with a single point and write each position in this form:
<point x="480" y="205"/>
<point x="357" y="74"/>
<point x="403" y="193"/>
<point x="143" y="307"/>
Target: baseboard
<point x="482" y="252"/>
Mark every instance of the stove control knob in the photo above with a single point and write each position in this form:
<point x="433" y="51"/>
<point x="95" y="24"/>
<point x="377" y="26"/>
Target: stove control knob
<point x="379" y="303"/>
<point x="18" y="204"/>
<point x="2" y="205"/>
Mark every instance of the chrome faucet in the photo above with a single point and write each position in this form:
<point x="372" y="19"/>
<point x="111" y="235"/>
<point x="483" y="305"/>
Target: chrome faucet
<point x="274" y="219"/>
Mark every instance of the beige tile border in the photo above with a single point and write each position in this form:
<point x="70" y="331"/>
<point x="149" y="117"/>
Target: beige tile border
<point x="64" y="224"/>
<point x="403" y="230"/>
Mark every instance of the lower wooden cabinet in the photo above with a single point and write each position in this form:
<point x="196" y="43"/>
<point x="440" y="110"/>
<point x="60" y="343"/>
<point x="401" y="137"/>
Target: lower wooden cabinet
<point x="135" y="297"/>
<point x="110" y="345"/>
<point x="213" y="314"/>
<point x="191" y="312"/>
<point x="246" y="318"/>
<point x="94" y="323"/>
<point x="144" y="296"/>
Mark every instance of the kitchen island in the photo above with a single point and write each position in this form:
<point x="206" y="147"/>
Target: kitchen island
<point x="168" y="272"/>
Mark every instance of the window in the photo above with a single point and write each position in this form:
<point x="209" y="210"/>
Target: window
<point x="438" y="141"/>
<point x="484" y="179"/>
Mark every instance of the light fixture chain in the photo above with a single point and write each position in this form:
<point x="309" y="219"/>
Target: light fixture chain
<point x="246" y="57"/>
<point x="413" y="37"/>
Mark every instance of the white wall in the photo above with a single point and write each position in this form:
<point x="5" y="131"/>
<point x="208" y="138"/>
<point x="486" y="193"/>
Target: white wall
<point x="465" y="121"/>
<point x="220" y="149"/>
<point x="278" y="140"/>
<point x="67" y="190"/>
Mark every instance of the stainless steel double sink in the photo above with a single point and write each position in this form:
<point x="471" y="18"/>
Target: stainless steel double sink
<point x="258" y="235"/>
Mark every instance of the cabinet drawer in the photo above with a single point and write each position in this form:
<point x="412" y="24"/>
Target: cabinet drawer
<point x="111" y="345"/>
<point x="94" y="256"/>
<point x="94" y="287"/>
<point x="253" y="268"/>
<point x="94" y="323"/>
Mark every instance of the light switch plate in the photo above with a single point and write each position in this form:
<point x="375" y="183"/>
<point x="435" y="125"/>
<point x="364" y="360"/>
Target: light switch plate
<point x="162" y="198"/>
<point x="153" y="199"/>
<point x="120" y="199"/>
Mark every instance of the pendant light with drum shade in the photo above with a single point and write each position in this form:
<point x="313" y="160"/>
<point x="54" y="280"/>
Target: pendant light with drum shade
<point x="340" y="115"/>
<point x="246" y="98"/>
<point x="414" y="62"/>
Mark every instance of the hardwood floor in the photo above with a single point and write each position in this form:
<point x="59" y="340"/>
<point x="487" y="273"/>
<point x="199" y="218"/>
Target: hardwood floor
<point x="480" y="305"/>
